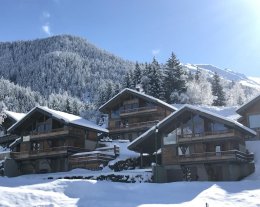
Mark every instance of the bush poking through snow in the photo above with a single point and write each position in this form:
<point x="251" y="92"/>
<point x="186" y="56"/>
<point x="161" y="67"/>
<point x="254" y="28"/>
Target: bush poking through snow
<point x="111" y="177"/>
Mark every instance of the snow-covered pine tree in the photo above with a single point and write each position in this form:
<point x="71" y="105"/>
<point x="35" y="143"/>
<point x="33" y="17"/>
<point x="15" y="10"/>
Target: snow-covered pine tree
<point x="128" y="80"/>
<point x="137" y="75"/>
<point x="197" y="74"/>
<point x="145" y="79"/>
<point x="217" y="91"/>
<point x="174" y="83"/>
<point x="154" y="75"/>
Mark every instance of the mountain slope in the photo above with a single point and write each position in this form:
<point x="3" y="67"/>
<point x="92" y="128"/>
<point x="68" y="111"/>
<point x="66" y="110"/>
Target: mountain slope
<point x="60" y="63"/>
<point x="225" y="74"/>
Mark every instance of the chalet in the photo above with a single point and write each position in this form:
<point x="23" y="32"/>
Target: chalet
<point x="47" y="141"/>
<point x="250" y="115"/>
<point x="131" y="113"/>
<point x="10" y="118"/>
<point x="197" y="145"/>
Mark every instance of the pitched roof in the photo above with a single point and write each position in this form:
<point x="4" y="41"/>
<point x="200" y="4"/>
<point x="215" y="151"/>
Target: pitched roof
<point x="134" y="145"/>
<point x="65" y="117"/>
<point x="144" y="96"/>
<point x="14" y="115"/>
<point x="248" y="104"/>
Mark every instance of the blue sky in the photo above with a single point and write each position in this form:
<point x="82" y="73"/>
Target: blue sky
<point x="225" y="33"/>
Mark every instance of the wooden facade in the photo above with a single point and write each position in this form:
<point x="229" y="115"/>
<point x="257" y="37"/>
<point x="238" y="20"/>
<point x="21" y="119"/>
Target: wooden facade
<point x="131" y="113"/>
<point x="6" y="138"/>
<point x="198" y="145"/>
<point x="250" y="115"/>
<point x="48" y="141"/>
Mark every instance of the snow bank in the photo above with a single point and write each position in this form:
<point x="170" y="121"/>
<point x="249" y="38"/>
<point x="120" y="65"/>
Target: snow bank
<point x="37" y="190"/>
<point x="102" y="194"/>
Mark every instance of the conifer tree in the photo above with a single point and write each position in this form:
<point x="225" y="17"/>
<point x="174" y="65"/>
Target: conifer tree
<point x="174" y="83"/>
<point x="155" y="80"/>
<point x="197" y="74"/>
<point x="137" y="75"/>
<point x="127" y="80"/>
<point x="217" y="91"/>
<point x="145" y="79"/>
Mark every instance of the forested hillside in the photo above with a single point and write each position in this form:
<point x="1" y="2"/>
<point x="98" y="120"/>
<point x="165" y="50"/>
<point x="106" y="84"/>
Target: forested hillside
<point x="69" y="74"/>
<point x="60" y="63"/>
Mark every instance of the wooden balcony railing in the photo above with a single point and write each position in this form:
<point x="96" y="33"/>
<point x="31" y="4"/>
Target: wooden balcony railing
<point x="5" y="154"/>
<point x="132" y="126"/>
<point x="7" y="138"/>
<point x="97" y="157"/>
<point x="50" y="152"/>
<point x="138" y="110"/>
<point x="51" y="133"/>
<point x="206" y="136"/>
<point x="232" y="155"/>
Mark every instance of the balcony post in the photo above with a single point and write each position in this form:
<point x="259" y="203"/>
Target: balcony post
<point x="156" y="157"/>
<point x="141" y="159"/>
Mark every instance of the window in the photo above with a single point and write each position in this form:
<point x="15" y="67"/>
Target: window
<point x="218" y="150"/>
<point x="183" y="150"/>
<point x="115" y="113"/>
<point x="170" y="138"/>
<point x="254" y="121"/>
<point x="187" y="128"/>
<point x="198" y="124"/>
<point x="35" y="146"/>
<point x="219" y="127"/>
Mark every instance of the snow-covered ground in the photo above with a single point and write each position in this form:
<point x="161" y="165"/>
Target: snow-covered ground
<point x="37" y="190"/>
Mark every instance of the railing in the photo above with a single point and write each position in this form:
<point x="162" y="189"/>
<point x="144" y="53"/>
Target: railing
<point x="4" y="155"/>
<point x="139" y="109"/>
<point x="64" y="150"/>
<point x="99" y="156"/>
<point x="134" y="125"/>
<point x="232" y="155"/>
<point x="7" y="138"/>
<point x="52" y="132"/>
<point x="115" y="149"/>
<point x="206" y="135"/>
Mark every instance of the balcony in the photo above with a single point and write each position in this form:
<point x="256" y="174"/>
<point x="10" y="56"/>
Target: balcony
<point x="50" y="134"/>
<point x="207" y="136"/>
<point x="208" y="157"/>
<point x="46" y="153"/>
<point x="138" y="111"/>
<point x="7" y="138"/>
<point x="134" y="126"/>
<point x="4" y="154"/>
<point x="93" y="159"/>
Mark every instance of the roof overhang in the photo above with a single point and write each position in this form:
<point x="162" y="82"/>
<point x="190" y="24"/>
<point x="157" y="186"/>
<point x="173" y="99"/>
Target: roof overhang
<point x="127" y="91"/>
<point x="245" y="106"/>
<point x="54" y="115"/>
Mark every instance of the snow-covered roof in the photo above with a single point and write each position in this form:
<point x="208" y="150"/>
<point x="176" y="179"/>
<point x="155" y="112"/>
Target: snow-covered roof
<point x="242" y="108"/>
<point x="208" y="114"/>
<point x="14" y="115"/>
<point x="66" y="117"/>
<point x="226" y="111"/>
<point x="138" y="94"/>
<point x="92" y="153"/>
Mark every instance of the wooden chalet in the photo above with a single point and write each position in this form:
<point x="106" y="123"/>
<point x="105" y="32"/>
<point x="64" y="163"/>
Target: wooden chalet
<point x="10" y="118"/>
<point x="197" y="145"/>
<point x="47" y="140"/>
<point x="131" y="113"/>
<point x="250" y="115"/>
